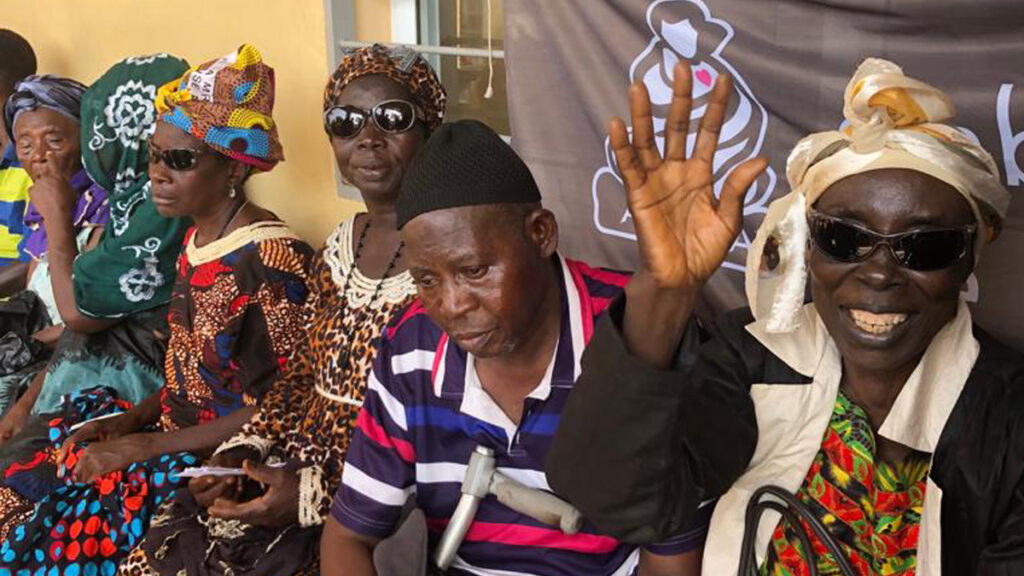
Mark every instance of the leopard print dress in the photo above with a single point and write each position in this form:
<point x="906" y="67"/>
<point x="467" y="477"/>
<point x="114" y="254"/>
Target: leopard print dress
<point x="310" y="413"/>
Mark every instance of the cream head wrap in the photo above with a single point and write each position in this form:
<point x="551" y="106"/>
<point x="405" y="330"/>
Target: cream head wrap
<point x="894" y="122"/>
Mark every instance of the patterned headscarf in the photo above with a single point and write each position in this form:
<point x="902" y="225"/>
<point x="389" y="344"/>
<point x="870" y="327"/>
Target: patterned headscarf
<point x="63" y="95"/>
<point x="401" y="64"/>
<point x="227" y="103"/>
<point x="132" y="268"/>
<point x="894" y="122"/>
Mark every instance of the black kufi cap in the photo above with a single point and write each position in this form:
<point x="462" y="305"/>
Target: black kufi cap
<point x="464" y="163"/>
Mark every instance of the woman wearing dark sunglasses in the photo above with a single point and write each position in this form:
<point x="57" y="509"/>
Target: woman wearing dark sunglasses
<point x="236" y="312"/>
<point x="884" y="427"/>
<point x="379" y="107"/>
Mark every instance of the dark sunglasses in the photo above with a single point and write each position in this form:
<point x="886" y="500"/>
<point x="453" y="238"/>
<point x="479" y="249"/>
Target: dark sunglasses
<point x="921" y="250"/>
<point x="390" y="116"/>
<point x="177" y="159"/>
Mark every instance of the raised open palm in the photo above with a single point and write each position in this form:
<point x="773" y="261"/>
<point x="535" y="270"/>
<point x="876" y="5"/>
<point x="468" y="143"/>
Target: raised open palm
<point x="683" y="231"/>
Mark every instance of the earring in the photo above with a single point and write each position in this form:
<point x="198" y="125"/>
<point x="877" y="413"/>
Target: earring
<point x="231" y="191"/>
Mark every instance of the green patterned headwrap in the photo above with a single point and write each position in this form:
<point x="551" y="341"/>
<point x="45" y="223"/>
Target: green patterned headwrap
<point x="132" y="268"/>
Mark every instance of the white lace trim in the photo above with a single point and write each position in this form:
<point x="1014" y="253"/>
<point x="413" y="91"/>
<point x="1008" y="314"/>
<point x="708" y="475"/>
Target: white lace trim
<point x="241" y="439"/>
<point x="338" y="253"/>
<point x="255" y="232"/>
<point x="312" y="491"/>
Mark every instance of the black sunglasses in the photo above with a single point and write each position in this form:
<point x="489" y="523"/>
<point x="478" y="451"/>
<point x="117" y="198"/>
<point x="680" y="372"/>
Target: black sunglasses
<point x="390" y="116"/>
<point x="923" y="250"/>
<point x="177" y="159"/>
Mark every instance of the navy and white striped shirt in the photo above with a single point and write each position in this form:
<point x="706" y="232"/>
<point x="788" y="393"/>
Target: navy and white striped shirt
<point x="424" y="414"/>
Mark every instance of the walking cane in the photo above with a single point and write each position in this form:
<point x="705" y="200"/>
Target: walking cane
<point x="482" y="479"/>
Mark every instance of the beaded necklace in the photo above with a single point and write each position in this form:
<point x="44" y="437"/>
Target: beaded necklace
<point x="361" y="311"/>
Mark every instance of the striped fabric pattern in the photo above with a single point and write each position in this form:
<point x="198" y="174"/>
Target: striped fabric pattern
<point x="425" y="413"/>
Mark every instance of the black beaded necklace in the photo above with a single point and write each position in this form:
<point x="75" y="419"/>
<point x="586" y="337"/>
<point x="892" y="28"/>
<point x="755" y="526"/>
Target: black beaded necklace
<point x="361" y="311"/>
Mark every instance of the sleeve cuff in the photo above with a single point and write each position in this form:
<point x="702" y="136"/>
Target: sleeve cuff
<point x="313" y="497"/>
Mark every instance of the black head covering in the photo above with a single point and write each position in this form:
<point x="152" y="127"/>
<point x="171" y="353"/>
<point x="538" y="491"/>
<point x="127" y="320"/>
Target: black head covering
<point x="464" y="163"/>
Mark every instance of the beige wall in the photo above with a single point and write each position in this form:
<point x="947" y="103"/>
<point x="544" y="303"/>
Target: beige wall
<point x="82" y="39"/>
<point x="373" y="20"/>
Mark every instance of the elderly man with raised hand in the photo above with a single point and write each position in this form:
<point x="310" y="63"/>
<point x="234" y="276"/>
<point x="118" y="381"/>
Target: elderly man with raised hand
<point x="486" y="358"/>
<point x="890" y="426"/>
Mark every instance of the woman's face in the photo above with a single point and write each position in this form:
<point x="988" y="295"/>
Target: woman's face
<point x="374" y="161"/>
<point x="191" y="192"/>
<point x="881" y="315"/>
<point x="45" y="138"/>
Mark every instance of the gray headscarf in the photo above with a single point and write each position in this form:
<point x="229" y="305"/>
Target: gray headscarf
<point x="47" y="91"/>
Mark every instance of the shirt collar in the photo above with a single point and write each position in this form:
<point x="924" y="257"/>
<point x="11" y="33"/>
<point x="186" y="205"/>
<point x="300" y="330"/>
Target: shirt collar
<point x="926" y="400"/>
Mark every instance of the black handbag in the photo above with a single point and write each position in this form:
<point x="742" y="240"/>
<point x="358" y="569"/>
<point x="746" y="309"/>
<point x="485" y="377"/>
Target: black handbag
<point x="793" y="510"/>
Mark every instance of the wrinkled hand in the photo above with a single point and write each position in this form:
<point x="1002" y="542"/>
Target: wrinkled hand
<point x="99" y="458"/>
<point x="51" y="190"/>
<point x="277" y="507"/>
<point x="104" y="430"/>
<point x="207" y="489"/>
<point x="13" y="422"/>
<point x="684" y="233"/>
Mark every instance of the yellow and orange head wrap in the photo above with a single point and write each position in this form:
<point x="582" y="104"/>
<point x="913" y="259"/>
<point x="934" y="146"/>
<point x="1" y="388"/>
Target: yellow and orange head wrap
<point x="227" y="103"/>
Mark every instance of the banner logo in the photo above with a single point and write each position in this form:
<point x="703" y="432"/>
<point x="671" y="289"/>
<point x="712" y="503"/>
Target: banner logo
<point x="685" y="29"/>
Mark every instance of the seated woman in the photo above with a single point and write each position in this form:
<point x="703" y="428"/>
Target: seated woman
<point x="235" y="313"/>
<point x="42" y="117"/>
<point x="119" y="326"/>
<point x="379" y="107"/>
<point x="895" y="423"/>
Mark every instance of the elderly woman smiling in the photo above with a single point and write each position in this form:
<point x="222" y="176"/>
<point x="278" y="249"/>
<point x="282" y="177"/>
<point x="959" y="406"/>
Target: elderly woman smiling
<point x="888" y="425"/>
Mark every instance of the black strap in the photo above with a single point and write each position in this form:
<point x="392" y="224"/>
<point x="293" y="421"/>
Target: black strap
<point x="793" y="510"/>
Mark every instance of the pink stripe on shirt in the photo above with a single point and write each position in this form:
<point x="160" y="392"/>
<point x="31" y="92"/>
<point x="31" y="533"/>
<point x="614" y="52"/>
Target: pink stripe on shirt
<point x="375" y="432"/>
<point x="519" y="535"/>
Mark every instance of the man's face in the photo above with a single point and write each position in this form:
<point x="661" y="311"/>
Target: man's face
<point x="478" y="268"/>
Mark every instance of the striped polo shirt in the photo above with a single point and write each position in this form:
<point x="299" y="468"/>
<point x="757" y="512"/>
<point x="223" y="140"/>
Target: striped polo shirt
<point x="425" y="411"/>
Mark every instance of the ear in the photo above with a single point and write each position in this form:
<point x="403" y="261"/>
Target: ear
<point x="542" y="230"/>
<point x="238" y="173"/>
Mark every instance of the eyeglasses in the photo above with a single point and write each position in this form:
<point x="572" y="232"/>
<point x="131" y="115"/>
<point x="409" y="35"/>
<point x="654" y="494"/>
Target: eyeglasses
<point x="390" y="116"/>
<point x="177" y="159"/>
<point x="922" y="250"/>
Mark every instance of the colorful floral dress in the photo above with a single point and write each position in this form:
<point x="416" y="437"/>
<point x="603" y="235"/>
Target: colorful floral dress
<point x="235" y="314"/>
<point x="871" y="508"/>
<point x="308" y="416"/>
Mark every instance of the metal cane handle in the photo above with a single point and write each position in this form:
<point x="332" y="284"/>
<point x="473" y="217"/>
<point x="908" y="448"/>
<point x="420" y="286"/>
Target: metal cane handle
<point x="455" y="531"/>
<point x="537" y="504"/>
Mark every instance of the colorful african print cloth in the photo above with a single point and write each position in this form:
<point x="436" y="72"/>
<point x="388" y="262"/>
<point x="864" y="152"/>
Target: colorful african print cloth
<point x="77" y="528"/>
<point x="235" y="314"/>
<point x="132" y="268"/>
<point x="227" y="103"/>
<point x="91" y="210"/>
<point x="871" y="508"/>
<point x="308" y="417"/>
